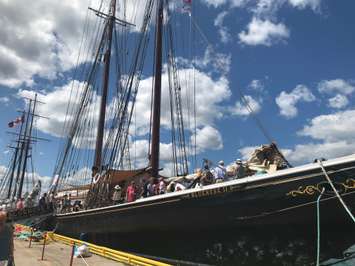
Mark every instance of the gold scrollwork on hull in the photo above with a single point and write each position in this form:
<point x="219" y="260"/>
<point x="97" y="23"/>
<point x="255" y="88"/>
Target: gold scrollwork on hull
<point x="349" y="184"/>
<point x="310" y="190"/>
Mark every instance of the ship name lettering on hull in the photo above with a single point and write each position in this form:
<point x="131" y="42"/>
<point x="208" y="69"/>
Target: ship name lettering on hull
<point x="211" y="192"/>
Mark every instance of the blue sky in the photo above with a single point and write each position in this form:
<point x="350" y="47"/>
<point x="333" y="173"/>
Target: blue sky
<point x="292" y="59"/>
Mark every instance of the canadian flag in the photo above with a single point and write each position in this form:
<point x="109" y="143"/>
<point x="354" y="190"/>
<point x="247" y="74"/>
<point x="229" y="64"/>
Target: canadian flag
<point x="17" y="121"/>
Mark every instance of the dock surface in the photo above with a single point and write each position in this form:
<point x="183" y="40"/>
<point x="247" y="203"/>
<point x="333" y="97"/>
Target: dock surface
<point x="56" y="254"/>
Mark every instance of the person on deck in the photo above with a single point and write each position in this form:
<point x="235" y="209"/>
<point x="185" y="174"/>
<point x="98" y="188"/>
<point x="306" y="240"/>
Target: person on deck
<point x="117" y="193"/>
<point x="145" y="191"/>
<point x="20" y="204"/>
<point x="65" y="204"/>
<point x="151" y="187"/>
<point x="131" y="192"/>
<point x="162" y="186"/>
<point x="51" y="200"/>
<point x="42" y="202"/>
<point x="219" y="172"/>
<point x="239" y="169"/>
<point x="179" y="187"/>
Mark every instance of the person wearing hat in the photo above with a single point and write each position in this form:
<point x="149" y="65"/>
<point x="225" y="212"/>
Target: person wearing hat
<point x="117" y="193"/>
<point x="219" y="172"/>
<point x="239" y="169"/>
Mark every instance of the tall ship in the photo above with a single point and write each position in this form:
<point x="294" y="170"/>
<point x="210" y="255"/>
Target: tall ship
<point x="20" y="186"/>
<point x="112" y="193"/>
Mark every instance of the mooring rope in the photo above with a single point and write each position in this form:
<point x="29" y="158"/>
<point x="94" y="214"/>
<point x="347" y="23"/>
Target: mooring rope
<point x="318" y="226"/>
<point x="84" y="260"/>
<point x="335" y="191"/>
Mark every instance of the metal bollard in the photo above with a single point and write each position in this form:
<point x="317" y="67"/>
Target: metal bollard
<point x="29" y="245"/>
<point x="44" y="245"/>
<point x="72" y="254"/>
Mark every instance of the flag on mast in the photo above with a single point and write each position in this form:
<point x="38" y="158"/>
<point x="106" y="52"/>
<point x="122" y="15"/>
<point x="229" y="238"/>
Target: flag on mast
<point x="18" y="120"/>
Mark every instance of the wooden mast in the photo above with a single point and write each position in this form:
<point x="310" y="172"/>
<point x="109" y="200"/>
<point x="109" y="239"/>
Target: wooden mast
<point x="106" y="79"/>
<point x="154" y="149"/>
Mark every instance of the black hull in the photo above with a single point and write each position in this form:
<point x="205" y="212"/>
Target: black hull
<point x="288" y="198"/>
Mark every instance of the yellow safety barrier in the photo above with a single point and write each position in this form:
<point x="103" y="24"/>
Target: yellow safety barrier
<point x="115" y="255"/>
<point x="107" y="252"/>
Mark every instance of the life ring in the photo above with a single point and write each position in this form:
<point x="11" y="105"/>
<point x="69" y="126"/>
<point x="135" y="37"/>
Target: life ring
<point x="96" y="178"/>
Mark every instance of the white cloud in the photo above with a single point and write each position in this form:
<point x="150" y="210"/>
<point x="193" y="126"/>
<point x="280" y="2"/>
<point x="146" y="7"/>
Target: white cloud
<point x="301" y="4"/>
<point x="338" y="101"/>
<point x="214" y="61"/>
<point x="55" y="107"/>
<point x="256" y="85"/>
<point x="4" y="100"/>
<point x="240" y="108"/>
<point x="38" y="40"/>
<point x="306" y="153"/>
<point x="44" y="39"/>
<point x="336" y="86"/>
<point x="263" y="32"/>
<point x="287" y="101"/>
<point x="332" y="128"/>
<point x="232" y="3"/>
<point x="210" y="94"/>
<point x="207" y="138"/>
<point x="215" y="3"/>
<point x="222" y="30"/>
<point x="246" y="152"/>
<point x="267" y="8"/>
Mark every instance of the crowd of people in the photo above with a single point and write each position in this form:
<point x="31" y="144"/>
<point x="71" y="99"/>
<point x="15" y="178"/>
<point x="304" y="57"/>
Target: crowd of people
<point x="45" y="203"/>
<point x="146" y="187"/>
<point x="202" y="177"/>
<point x="68" y="204"/>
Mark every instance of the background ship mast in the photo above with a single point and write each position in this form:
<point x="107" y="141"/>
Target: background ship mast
<point x="18" y="174"/>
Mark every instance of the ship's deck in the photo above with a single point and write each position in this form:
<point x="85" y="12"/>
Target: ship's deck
<point x="242" y="181"/>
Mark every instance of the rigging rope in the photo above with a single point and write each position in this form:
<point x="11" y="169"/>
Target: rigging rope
<point x="318" y="225"/>
<point x="335" y="190"/>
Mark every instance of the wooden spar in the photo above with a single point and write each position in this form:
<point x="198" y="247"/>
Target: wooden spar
<point x="154" y="150"/>
<point x="106" y="79"/>
<point x="27" y="141"/>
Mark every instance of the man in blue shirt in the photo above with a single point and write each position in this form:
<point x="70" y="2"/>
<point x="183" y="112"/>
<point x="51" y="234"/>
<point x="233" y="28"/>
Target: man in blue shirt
<point x="219" y="172"/>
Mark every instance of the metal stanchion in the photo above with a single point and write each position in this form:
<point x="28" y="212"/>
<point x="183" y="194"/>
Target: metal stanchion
<point x="29" y="245"/>
<point x="72" y="254"/>
<point x="44" y="245"/>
